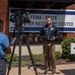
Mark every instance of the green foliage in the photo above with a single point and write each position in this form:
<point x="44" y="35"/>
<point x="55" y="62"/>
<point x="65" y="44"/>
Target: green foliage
<point x="67" y="60"/>
<point x="39" y="57"/>
<point x="8" y="56"/>
<point x="66" y="48"/>
<point x="58" y="55"/>
<point x="24" y="63"/>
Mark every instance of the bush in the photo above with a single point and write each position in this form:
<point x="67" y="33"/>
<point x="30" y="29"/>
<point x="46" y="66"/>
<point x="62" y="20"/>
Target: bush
<point x="66" y="48"/>
<point x="8" y="56"/>
<point x="39" y="57"/>
<point x="24" y="63"/>
<point x="58" y="55"/>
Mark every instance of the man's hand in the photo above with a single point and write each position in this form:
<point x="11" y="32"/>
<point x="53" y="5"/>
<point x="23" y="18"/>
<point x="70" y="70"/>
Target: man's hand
<point x="8" y="50"/>
<point x="53" y="38"/>
<point x="36" y="39"/>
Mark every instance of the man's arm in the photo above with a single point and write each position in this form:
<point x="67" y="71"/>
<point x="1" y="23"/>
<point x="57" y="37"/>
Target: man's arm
<point x="57" y="33"/>
<point x="8" y="50"/>
<point x="6" y="45"/>
<point x="39" y="34"/>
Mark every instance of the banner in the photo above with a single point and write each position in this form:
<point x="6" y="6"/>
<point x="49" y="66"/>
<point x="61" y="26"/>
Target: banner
<point x="63" y="19"/>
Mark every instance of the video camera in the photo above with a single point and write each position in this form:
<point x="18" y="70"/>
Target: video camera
<point x="20" y="17"/>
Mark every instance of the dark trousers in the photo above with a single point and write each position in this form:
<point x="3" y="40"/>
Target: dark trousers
<point x="49" y="53"/>
<point x="2" y="67"/>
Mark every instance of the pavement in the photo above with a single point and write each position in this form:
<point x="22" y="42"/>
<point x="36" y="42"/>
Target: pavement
<point x="63" y="69"/>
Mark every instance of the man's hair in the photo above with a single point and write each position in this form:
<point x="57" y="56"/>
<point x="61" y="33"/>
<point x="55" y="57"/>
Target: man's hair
<point x="49" y="18"/>
<point x="1" y="21"/>
<point x="1" y="25"/>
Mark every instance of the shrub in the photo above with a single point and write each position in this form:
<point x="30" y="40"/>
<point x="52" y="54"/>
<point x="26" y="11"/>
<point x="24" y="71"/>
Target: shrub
<point x="8" y="56"/>
<point x="24" y="63"/>
<point x="66" y="48"/>
<point x="39" y="57"/>
<point x="58" y="55"/>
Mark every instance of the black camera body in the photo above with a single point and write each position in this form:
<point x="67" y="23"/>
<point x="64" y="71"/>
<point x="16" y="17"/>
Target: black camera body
<point x="20" y="18"/>
<point x="48" y="37"/>
<point x="48" y="33"/>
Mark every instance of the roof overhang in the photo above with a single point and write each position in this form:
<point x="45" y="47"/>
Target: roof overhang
<point x="66" y="1"/>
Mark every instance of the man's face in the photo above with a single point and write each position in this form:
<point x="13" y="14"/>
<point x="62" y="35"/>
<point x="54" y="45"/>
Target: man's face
<point x="49" y="21"/>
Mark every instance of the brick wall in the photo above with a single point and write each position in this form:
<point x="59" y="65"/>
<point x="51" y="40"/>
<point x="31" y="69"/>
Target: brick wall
<point x="4" y="14"/>
<point x="71" y="7"/>
<point x="70" y="35"/>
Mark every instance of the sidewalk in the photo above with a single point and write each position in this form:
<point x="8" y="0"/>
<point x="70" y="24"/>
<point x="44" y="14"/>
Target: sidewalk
<point x="64" y="69"/>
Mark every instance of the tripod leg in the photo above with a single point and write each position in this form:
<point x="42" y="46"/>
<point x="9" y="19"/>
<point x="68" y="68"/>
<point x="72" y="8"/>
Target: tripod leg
<point x="19" y="59"/>
<point x="9" y="67"/>
<point x="31" y="57"/>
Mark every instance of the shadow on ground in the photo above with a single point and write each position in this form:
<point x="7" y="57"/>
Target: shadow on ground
<point x="68" y="72"/>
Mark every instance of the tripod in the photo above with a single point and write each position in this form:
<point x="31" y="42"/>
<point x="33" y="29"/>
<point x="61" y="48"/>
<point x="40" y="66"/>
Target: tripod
<point x="20" y="37"/>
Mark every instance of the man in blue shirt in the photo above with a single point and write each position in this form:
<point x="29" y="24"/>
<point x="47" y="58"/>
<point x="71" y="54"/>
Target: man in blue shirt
<point x="4" y="49"/>
<point x="50" y="34"/>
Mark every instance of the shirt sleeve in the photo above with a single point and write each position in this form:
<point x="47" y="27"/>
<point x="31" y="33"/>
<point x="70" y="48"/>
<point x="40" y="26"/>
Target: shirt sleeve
<point x="57" y="33"/>
<point x="5" y="42"/>
<point x="40" y="33"/>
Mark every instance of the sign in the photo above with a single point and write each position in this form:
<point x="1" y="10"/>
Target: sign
<point x="72" y="48"/>
<point x="63" y="19"/>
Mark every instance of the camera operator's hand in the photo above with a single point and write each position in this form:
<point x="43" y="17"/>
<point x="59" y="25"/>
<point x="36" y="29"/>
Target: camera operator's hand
<point x="53" y="38"/>
<point x="36" y="39"/>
